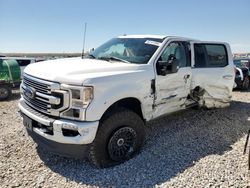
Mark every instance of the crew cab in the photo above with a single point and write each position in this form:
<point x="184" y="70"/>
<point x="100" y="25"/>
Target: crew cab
<point x="98" y="106"/>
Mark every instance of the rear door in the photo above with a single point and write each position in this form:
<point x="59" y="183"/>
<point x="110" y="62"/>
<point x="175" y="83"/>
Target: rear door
<point x="212" y="70"/>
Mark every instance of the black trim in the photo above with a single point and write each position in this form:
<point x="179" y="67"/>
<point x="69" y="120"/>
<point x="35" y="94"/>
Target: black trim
<point x="187" y="47"/>
<point x="66" y="150"/>
<point x="238" y="81"/>
<point x="152" y="86"/>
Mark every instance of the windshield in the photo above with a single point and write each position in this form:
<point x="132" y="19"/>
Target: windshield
<point x="242" y="63"/>
<point x="131" y="50"/>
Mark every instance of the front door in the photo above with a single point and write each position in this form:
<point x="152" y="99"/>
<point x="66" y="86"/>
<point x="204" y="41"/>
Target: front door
<point x="173" y="88"/>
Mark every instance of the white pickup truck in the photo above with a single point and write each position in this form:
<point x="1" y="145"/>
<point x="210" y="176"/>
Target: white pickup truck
<point x="98" y="106"/>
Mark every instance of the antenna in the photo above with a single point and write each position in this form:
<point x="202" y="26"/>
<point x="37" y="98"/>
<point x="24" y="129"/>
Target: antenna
<point x="84" y="36"/>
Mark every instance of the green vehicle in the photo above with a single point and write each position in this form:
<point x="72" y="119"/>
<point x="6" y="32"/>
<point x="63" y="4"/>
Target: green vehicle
<point x="10" y="77"/>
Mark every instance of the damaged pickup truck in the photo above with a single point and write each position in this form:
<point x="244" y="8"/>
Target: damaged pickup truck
<point x="97" y="106"/>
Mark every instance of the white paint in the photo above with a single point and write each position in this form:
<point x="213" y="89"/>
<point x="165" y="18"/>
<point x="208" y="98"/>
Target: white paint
<point x="151" y="42"/>
<point x="113" y="81"/>
<point x="87" y="130"/>
<point x="217" y="82"/>
<point x="143" y="36"/>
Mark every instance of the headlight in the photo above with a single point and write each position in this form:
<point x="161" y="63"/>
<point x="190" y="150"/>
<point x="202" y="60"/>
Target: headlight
<point x="88" y="95"/>
<point x="76" y="94"/>
<point x="80" y="99"/>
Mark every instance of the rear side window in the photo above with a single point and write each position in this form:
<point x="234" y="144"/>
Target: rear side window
<point x="210" y="55"/>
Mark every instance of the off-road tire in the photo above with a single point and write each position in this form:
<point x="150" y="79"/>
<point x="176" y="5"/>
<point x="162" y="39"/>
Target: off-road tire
<point x="120" y="119"/>
<point x="246" y="83"/>
<point x="5" y="92"/>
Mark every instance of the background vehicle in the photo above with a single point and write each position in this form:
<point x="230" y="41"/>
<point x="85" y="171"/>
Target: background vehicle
<point x="10" y="77"/>
<point x="22" y="61"/>
<point x="99" y="105"/>
<point x="242" y="78"/>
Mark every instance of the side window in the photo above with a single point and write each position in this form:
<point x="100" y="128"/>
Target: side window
<point x="177" y="50"/>
<point x="217" y="56"/>
<point x="210" y="55"/>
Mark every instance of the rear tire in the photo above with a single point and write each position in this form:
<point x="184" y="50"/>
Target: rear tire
<point x="5" y="92"/>
<point x="119" y="137"/>
<point x="245" y="84"/>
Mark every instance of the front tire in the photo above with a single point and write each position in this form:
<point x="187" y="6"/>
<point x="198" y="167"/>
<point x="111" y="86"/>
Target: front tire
<point x="119" y="137"/>
<point x="5" y="92"/>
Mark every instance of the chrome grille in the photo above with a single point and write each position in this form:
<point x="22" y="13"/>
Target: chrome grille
<point x="40" y="87"/>
<point x="43" y="95"/>
<point x="39" y="105"/>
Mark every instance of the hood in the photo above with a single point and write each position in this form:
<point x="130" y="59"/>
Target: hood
<point x="76" y="70"/>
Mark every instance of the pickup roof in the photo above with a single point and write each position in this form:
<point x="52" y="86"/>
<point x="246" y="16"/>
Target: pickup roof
<point x="98" y="106"/>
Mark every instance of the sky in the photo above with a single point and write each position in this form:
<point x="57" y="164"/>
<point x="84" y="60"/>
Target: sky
<point x="58" y="25"/>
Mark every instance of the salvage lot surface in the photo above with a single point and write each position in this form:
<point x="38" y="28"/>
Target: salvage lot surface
<point x="200" y="148"/>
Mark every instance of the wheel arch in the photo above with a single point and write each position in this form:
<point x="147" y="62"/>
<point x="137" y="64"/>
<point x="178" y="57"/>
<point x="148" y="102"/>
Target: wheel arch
<point x="130" y="103"/>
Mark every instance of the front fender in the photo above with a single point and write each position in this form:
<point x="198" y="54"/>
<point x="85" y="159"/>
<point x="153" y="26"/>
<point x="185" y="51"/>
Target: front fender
<point x="105" y="97"/>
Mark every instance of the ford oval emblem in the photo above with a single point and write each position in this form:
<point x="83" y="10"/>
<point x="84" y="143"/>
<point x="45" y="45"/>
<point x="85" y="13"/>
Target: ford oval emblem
<point x="30" y="92"/>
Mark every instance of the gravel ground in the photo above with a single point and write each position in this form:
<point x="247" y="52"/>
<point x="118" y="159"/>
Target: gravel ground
<point x="194" y="148"/>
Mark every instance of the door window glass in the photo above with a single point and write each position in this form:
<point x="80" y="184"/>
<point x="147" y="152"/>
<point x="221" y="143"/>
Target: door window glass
<point x="210" y="55"/>
<point x="177" y="50"/>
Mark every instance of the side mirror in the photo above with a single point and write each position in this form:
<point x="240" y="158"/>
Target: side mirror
<point x="174" y="64"/>
<point x="161" y="67"/>
<point x="165" y="67"/>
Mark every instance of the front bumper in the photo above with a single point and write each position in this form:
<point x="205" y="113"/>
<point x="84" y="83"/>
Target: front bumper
<point x="85" y="131"/>
<point x="67" y="150"/>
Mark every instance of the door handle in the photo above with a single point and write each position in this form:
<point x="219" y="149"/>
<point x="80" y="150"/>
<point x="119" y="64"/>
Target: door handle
<point x="186" y="76"/>
<point x="228" y="77"/>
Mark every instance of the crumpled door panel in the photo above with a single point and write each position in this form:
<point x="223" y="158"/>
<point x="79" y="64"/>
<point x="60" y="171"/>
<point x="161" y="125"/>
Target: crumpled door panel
<point x="215" y="96"/>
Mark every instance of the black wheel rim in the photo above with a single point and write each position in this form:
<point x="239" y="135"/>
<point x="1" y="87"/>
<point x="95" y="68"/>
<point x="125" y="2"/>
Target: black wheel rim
<point x="122" y="144"/>
<point x="3" y="93"/>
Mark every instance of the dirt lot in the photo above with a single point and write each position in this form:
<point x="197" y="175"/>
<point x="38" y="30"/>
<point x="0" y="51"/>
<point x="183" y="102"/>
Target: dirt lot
<point x="194" y="148"/>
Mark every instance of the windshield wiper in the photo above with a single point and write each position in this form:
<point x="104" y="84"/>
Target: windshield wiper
<point x="91" y="56"/>
<point x="113" y="58"/>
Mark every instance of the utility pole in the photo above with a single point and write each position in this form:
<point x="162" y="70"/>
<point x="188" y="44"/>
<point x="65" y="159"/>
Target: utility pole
<point x="84" y="37"/>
